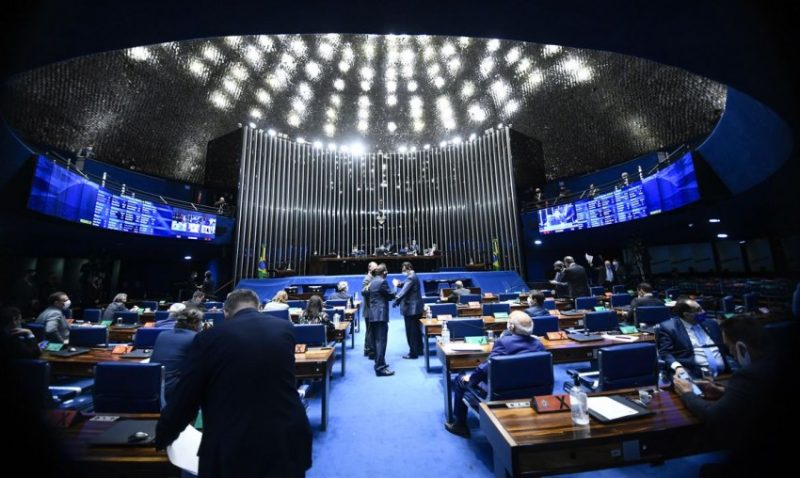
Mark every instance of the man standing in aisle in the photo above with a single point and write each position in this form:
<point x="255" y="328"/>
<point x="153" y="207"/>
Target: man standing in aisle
<point x="410" y="300"/>
<point x="368" y="351"/>
<point x="379" y="296"/>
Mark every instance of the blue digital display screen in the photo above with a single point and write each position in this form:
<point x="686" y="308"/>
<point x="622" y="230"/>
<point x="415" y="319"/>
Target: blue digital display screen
<point x="668" y="189"/>
<point x="59" y="192"/>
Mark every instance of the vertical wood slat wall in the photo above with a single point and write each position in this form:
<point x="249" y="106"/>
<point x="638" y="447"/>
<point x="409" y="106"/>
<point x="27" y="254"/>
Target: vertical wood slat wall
<point x="297" y="201"/>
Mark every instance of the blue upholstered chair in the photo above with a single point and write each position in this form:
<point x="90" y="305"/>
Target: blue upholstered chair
<point x="442" y="285"/>
<point x="618" y="289"/>
<point x="297" y="304"/>
<point x="214" y="304"/>
<point x="460" y="328"/>
<point x="161" y="315"/>
<point x="88" y="336"/>
<point x="621" y="300"/>
<point x="652" y="314"/>
<point x="92" y="315"/>
<point x="145" y="338"/>
<point x="601" y="321"/>
<point x="310" y="334"/>
<point x="490" y="309"/>
<point x="469" y="298"/>
<point x="585" y="302"/>
<point x="36" y="329"/>
<point x="750" y="301"/>
<point x="627" y="366"/>
<point x="672" y="293"/>
<point x="597" y="290"/>
<point x="280" y="314"/>
<point x="33" y="378"/>
<point x="430" y="300"/>
<point x="520" y="376"/>
<point x="549" y="304"/>
<point x="546" y="292"/>
<point x="544" y="324"/>
<point x="149" y="304"/>
<point x="727" y="305"/>
<point x="444" y="309"/>
<point x="507" y="296"/>
<point x="122" y="387"/>
<point x="215" y="317"/>
<point x="336" y="303"/>
<point x="128" y="317"/>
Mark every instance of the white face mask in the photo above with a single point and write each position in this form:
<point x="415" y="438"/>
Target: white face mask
<point x="67" y="304"/>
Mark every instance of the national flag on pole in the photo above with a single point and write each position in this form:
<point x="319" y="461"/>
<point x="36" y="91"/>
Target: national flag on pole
<point x="262" y="263"/>
<point x="495" y="254"/>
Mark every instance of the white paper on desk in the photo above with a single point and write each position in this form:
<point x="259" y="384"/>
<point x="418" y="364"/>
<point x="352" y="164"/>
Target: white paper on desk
<point x="147" y="360"/>
<point x="621" y="338"/>
<point x="465" y="347"/>
<point x="183" y="451"/>
<point x="611" y="409"/>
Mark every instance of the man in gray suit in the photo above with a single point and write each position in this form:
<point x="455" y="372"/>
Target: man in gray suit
<point x="410" y="301"/>
<point x="368" y="351"/>
<point x="379" y="297"/>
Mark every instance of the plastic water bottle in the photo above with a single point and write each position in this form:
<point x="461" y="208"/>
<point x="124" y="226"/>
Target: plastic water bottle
<point x="445" y="333"/>
<point x="336" y="320"/>
<point x="578" y="404"/>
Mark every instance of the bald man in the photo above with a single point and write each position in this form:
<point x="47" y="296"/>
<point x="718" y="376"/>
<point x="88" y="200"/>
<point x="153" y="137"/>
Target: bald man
<point x="519" y="341"/>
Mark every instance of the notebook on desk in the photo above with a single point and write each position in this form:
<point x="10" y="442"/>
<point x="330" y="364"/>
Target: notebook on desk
<point x="571" y="312"/>
<point x="125" y="433"/>
<point x="139" y="353"/>
<point x="68" y="351"/>
<point x="615" y="408"/>
<point x="578" y="337"/>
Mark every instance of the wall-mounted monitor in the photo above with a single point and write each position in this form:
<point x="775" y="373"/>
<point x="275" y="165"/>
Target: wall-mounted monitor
<point x="669" y="188"/>
<point x="59" y="192"/>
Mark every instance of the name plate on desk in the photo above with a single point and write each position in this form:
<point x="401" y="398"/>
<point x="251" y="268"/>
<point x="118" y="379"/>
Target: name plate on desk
<point x="444" y="317"/>
<point x="500" y="316"/>
<point x="473" y="304"/>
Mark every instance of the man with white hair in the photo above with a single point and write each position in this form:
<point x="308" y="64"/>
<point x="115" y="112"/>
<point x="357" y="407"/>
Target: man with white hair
<point x="341" y="292"/>
<point x="519" y="341"/>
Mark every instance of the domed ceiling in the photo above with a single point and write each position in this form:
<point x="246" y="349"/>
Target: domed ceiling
<point x="154" y="108"/>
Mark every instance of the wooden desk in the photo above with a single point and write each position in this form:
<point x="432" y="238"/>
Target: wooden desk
<point x="357" y="265"/>
<point x="526" y="443"/>
<point x="339" y="335"/>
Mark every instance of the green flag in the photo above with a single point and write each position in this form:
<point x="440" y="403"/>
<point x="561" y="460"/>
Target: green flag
<point x="262" y="263"/>
<point x="495" y="254"/>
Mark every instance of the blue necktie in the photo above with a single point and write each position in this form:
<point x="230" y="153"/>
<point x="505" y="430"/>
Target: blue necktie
<point x="706" y="342"/>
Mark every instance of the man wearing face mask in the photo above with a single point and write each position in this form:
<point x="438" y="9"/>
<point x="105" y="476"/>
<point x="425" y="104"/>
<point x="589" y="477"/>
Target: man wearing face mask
<point x="742" y="414"/>
<point x="689" y="343"/>
<point x="409" y="298"/>
<point x="55" y="324"/>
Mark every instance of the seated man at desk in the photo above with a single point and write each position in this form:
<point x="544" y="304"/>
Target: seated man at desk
<point x="690" y="342"/>
<point x="518" y="341"/>
<point x="536" y="304"/>
<point x="644" y="298"/>
<point x="458" y="292"/>
<point x="117" y="305"/>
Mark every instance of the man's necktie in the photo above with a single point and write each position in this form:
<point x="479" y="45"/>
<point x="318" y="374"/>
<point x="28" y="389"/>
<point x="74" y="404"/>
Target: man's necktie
<point x="706" y="342"/>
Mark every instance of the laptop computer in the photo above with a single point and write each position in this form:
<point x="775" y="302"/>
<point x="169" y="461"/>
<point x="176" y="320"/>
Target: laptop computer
<point x="128" y="433"/>
<point x="68" y="351"/>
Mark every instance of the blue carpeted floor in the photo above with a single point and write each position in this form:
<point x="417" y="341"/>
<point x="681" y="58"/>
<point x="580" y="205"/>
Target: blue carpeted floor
<point x="394" y="426"/>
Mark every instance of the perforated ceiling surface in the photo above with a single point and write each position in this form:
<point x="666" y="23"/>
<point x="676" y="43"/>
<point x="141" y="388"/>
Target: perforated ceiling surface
<point x="154" y="108"/>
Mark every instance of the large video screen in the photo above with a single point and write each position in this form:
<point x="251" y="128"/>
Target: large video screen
<point x="670" y="188"/>
<point x="59" y="192"/>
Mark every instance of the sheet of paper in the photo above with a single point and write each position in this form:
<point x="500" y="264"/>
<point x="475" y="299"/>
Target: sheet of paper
<point x="609" y="408"/>
<point x="183" y="451"/>
<point x="464" y="347"/>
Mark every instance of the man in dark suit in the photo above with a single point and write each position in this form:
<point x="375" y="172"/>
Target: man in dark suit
<point x="574" y="277"/>
<point x="644" y="298"/>
<point x="536" y="303"/>
<point x="690" y="342"/>
<point x="172" y="346"/>
<point x="379" y="297"/>
<point x="519" y="341"/>
<point x="368" y="351"/>
<point x="560" y="288"/>
<point x="241" y="373"/>
<point x="409" y="298"/>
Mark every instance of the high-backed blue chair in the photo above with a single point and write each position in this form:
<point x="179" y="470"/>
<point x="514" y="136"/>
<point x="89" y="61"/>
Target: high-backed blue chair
<point x="621" y="300"/>
<point x="728" y="306"/>
<point x="585" y="302"/>
<point x="652" y="314"/>
<point x="444" y="309"/>
<point x="88" y="336"/>
<point x="549" y="304"/>
<point x="597" y="290"/>
<point x="145" y="338"/>
<point x="310" y="334"/>
<point x="36" y="329"/>
<point x="546" y="293"/>
<point x="750" y="301"/>
<point x="92" y="315"/>
<point x="149" y="304"/>
<point x="672" y="293"/>
<point x="122" y="387"/>
<point x="442" y="285"/>
<point x="601" y="321"/>
<point x="336" y="303"/>
<point x="463" y="299"/>
<point x="430" y="300"/>
<point x="214" y="304"/>
<point x="490" y="309"/>
<point x="507" y="296"/>
<point x="215" y="317"/>
<point x="520" y="376"/>
<point x="627" y="366"/>
<point x="618" y="289"/>
<point x="128" y="317"/>
<point x="297" y="304"/>
<point x="280" y="314"/>
<point x="33" y="378"/>
<point x="460" y="328"/>
<point x="161" y="315"/>
<point x="544" y="324"/>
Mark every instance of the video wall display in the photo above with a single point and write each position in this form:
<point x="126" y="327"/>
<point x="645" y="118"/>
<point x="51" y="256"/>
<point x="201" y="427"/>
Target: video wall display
<point x="59" y="192"/>
<point x="668" y="189"/>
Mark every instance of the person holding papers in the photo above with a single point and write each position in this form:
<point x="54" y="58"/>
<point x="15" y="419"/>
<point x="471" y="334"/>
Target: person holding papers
<point x="519" y="341"/>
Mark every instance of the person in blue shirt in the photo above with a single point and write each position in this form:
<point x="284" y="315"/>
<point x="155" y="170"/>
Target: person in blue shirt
<point x="519" y="341"/>
<point x="172" y="346"/>
<point x="169" y="322"/>
<point x="536" y="303"/>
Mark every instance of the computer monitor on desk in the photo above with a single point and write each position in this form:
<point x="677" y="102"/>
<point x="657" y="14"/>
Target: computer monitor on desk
<point x="314" y="289"/>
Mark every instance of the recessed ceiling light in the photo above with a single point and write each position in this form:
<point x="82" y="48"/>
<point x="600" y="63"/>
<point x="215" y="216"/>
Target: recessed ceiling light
<point x="722" y="235"/>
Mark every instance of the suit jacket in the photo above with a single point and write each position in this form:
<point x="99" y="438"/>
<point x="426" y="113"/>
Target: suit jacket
<point x="241" y="373"/>
<point x="379" y="297"/>
<point x="365" y="292"/>
<point x="340" y="295"/>
<point x="511" y="344"/>
<point x="646" y="301"/>
<point x="55" y="324"/>
<point x="410" y="297"/>
<point x="112" y="309"/>
<point x="170" y="351"/>
<point x="674" y="344"/>
<point x="578" y="283"/>
<point x="537" y="311"/>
